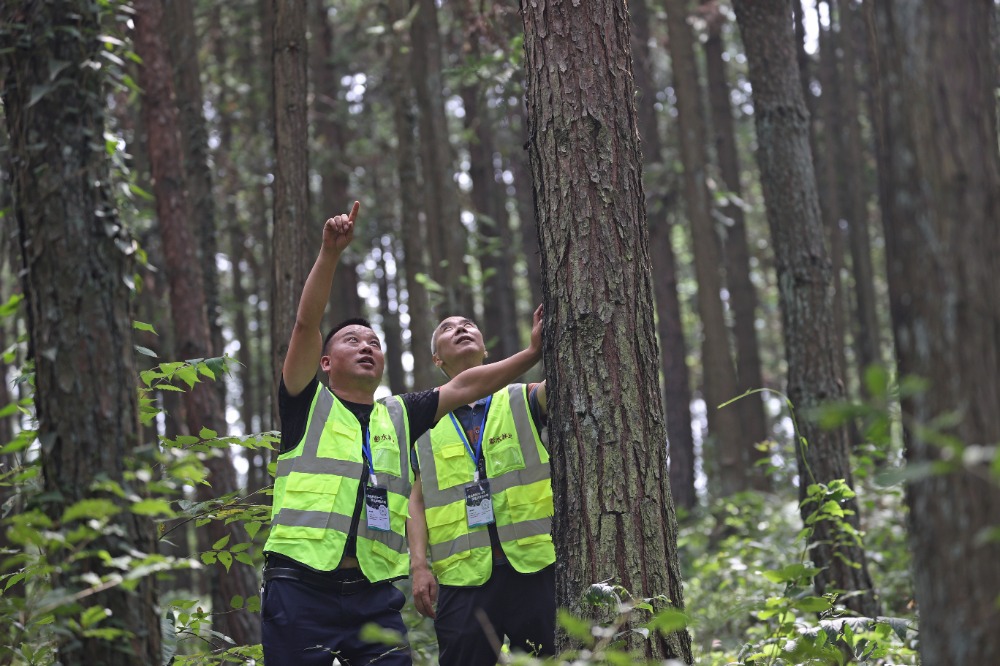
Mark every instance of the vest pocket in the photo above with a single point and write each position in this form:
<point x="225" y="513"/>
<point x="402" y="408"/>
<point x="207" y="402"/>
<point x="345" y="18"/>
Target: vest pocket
<point x="314" y="495"/>
<point x="452" y="463"/>
<point x="503" y="457"/>
<point x="385" y="460"/>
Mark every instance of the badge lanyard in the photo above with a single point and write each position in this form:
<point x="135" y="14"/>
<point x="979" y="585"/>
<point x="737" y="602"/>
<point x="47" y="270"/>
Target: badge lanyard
<point x="366" y="452"/>
<point x="376" y="499"/>
<point x="479" y="439"/>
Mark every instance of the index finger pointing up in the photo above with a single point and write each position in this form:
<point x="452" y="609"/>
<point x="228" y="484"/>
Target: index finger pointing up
<point x="354" y="211"/>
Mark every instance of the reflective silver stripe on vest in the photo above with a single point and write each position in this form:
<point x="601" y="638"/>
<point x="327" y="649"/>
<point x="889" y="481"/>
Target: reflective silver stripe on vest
<point x="512" y="479"/>
<point x="322" y="520"/>
<point x="310" y="446"/>
<point x="401" y="484"/>
<point x="533" y="472"/>
<point x="481" y="538"/>
<point x="309" y="462"/>
<point x="522" y="423"/>
<point x="398" y="485"/>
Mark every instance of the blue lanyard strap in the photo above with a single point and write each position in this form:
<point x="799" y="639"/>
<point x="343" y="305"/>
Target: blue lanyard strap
<point x="366" y="452"/>
<point x="474" y="454"/>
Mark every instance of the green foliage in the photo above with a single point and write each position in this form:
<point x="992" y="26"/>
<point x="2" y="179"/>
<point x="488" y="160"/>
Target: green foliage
<point x="40" y="608"/>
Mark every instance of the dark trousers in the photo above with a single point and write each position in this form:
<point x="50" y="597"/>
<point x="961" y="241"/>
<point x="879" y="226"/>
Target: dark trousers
<point x="519" y="606"/>
<point x="303" y="625"/>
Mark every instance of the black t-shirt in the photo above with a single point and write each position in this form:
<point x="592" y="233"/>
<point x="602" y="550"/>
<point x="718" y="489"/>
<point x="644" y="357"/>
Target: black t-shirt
<point x="421" y="408"/>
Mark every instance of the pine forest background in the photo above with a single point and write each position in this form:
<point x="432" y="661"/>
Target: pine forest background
<point x="817" y="220"/>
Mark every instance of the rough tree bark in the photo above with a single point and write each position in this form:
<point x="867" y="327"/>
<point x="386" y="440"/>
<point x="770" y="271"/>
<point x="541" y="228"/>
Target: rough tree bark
<point x="76" y="259"/>
<point x="804" y="280"/>
<point x="939" y="187"/>
<point x="614" y="518"/>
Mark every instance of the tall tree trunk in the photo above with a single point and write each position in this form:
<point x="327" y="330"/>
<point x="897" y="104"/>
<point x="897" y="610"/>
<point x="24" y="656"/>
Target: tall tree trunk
<point x="673" y="347"/>
<point x="804" y="280"/>
<point x="736" y="251"/>
<point x="183" y="43"/>
<point x="390" y="320"/>
<point x="855" y="197"/>
<point x="939" y="185"/>
<point x="525" y="202"/>
<point x="76" y="259"/>
<point x="203" y="408"/>
<point x="446" y="236"/>
<point x="330" y="149"/>
<point x="825" y="135"/>
<point x="293" y="228"/>
<point x="492" y="224"/>
<point x="614" y="518"/>
<point x="413" y="238"/>
<point x="719" y="374"/>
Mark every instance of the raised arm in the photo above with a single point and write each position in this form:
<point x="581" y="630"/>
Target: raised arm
<point x="481" y="381"/>
<point x="306" y="344"/>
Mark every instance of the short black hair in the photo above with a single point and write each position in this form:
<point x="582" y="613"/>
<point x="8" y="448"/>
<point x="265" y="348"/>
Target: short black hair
<point x="353" y="321"/>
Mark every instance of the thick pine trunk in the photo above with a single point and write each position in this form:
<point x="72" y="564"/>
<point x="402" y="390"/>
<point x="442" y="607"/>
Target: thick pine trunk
<point x="77" y="258"/>
<point x="939" y="186"/>
<point x="804" y="280"/>
<point x="614" y="519"/>
<point x="673" y="347"/>
<point x="730" y="452"/>
<point x="202" y="405"/>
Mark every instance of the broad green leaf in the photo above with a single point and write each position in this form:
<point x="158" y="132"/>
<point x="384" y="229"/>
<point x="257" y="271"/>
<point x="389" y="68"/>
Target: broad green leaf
<point x="152" y="507"/>
<point x="226" y="558"/>
<point x="90" y="508"/>
<point x="812" y="604"/>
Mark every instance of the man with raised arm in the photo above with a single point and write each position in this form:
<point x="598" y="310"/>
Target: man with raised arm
<point x="481" y="513"/>
<point x="343" y="480"/>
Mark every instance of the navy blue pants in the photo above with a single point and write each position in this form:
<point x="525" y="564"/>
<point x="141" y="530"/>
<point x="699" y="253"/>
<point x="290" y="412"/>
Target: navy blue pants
<point x="306" y="626"/>
<point x="519" y="606"/>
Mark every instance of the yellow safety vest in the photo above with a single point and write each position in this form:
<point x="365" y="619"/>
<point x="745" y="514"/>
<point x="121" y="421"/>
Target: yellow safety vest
<point x="316" y="489"/>
<point x="517" y="466"/>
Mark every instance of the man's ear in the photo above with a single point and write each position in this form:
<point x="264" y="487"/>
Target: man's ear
<point x="324" y="363"/>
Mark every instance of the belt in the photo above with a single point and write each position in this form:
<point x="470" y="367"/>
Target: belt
<point x="317" y="580"/>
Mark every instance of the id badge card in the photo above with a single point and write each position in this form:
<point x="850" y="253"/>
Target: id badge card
<point x="377" y="508"/>
<point x="479" y="504"/>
